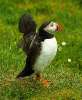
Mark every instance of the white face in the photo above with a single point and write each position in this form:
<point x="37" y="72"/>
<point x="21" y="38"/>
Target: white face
<point x="51" y="27"/>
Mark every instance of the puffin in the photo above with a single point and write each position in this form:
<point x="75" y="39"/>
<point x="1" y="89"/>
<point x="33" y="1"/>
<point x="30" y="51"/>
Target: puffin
<point x="40" y="46"/>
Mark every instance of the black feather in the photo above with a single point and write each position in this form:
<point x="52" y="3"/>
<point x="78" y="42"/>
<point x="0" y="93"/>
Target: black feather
<point x="27" y="24"/>
<point x="31" y="59"/>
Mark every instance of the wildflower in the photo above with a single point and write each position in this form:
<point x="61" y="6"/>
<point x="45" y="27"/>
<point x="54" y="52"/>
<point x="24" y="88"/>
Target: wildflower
<point x="69" y="60"/>
<point x="63" y="43"/>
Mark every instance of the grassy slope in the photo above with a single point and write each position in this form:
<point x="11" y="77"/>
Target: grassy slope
<point x="66" y="77"/>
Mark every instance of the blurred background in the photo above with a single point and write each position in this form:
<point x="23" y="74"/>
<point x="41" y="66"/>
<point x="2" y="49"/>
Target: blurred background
<point x="65" y="70"/>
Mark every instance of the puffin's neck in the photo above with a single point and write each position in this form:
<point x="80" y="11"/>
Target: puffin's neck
<point x="45" y="35"/>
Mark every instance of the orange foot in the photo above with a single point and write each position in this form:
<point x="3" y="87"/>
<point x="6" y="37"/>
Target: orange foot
<point x="45" y="83"/>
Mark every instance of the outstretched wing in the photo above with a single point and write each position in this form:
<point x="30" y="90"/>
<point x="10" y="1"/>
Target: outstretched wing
<point x="27" y="24"/>
<point x="31" y="59"/>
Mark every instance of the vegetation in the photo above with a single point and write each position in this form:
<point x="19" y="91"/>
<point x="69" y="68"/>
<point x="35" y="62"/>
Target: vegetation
<point x="65" y="72"/>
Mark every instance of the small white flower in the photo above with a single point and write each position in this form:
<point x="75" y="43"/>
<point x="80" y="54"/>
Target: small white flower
<point x="69" y="60"/>
<point x="63" y="43"/>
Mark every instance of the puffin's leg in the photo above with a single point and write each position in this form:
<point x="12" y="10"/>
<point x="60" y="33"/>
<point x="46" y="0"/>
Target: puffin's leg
<point x="42" y="80"/>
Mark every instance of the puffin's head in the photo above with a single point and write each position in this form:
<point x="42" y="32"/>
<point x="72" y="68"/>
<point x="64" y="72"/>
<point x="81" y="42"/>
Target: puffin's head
<point x="50" y="27"/>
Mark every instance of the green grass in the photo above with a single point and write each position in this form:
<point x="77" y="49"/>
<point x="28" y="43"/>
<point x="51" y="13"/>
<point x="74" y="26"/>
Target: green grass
<point x="66" y="76"/>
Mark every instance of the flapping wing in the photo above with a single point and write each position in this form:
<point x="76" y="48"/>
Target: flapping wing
<point x="27" y="24"/>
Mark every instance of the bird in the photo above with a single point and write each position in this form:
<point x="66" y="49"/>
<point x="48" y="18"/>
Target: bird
<point x="42" y="48"/>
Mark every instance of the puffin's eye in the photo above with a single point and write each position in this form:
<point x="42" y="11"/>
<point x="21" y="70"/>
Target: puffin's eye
<point x="51" y="25"/>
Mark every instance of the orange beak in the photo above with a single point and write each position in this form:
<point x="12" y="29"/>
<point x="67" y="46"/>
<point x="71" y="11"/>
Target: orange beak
<point x="59" y="27"/>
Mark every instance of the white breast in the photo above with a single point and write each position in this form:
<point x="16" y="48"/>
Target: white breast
<point x="48" y="52"/>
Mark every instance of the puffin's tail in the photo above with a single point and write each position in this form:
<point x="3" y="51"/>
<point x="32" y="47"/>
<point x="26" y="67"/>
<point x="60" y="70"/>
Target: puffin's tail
<point x="27" y="71"/>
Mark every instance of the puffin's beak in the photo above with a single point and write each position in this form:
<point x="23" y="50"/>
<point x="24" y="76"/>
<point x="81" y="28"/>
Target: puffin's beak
<point x="59" y="28"/>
